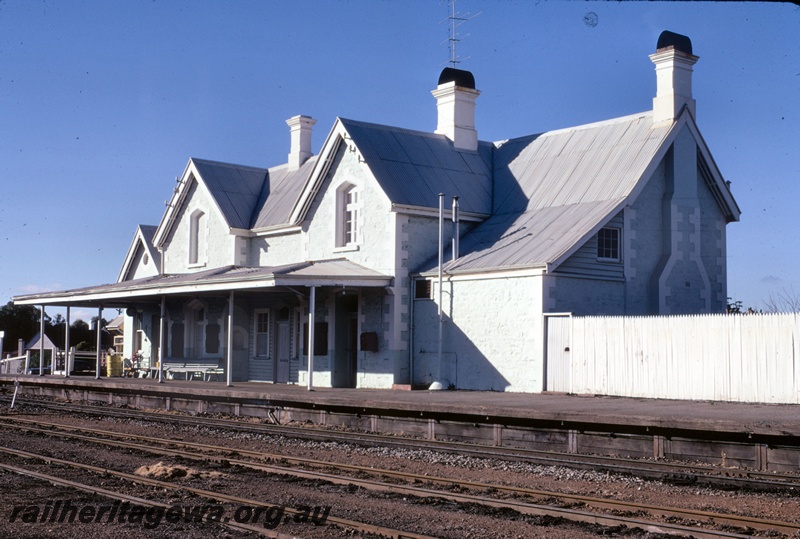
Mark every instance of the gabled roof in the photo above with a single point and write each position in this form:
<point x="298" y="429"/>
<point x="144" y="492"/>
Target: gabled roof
<point x="411" y="167"/>
<point x="246" y="197"/>
<point x="555" y="190"/>
<point x="280" y="191"/>
<point x="117" y="324"/>
<point x="33" y="344"/>
<point x="142" y="241"/>
<point x="235" y="188"/>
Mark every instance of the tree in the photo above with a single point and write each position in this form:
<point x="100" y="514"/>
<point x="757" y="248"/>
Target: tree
<point x="785" y="301"/>
<point x="18" y="322"/>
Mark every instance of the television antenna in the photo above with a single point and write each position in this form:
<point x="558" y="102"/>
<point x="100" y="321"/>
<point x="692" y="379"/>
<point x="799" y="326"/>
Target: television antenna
<point x="455" y="20"/>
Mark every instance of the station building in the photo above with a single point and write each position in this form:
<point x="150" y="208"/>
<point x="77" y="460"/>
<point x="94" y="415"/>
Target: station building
<point x="328" y="264"/>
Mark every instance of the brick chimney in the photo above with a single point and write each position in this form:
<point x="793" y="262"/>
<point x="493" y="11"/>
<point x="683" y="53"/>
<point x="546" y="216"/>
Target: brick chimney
<point x="455" y="100"/>
<point x="300" y="130"/>
<point x="674" y="60"/>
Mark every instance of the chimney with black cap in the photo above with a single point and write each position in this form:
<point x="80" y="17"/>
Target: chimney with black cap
<point x="674" y="60"/>
<point x="455" y="100"/>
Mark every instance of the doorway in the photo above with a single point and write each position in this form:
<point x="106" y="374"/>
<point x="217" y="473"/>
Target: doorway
<point x="282" y="347"/>
<point x="345" y="360"/>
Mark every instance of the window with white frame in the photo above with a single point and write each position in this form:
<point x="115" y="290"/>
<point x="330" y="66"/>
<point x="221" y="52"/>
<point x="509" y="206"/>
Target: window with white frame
<point x="348" y="215"/>
<point x="261" y="333"/>
<point x="197" y="239"/>
<point x="608" y="244"/>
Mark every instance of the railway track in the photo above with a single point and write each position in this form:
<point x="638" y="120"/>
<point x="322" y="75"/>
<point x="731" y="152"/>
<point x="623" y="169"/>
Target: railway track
<point x="505" y="497"/>
<point x="680" y="473"/>
<point x="208" y="495"/>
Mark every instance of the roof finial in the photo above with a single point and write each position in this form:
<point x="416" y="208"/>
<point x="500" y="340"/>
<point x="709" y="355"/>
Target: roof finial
<point x="455" y="20"/>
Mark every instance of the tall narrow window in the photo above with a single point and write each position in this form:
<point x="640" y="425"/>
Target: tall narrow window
<point x="262" y="333"/>
<point x="197" y="237"/>
<point x="347" y="226"/>
<point x="351" y="216"/>
<point x="608" y="244"/>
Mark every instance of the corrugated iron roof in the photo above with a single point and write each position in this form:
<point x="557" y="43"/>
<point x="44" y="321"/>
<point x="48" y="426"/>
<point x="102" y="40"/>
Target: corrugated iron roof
<point x="251" y="197"/>
<point x="588" y="163"/>
<point x="413" y="167"/>
<point x="280" y="191"/>
<point x="533" y="238"/>
<point x="320" y="272"/>
<point x="235" y="188"/>
<point x="553" y="189"/>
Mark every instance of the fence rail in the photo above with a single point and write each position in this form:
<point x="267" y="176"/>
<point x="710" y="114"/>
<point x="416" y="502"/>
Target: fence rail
<point x="753" y="358"/>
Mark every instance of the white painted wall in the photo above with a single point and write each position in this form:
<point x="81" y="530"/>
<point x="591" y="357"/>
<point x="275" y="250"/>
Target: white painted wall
<point x="220" y="245"/>
<point x="375" y="249"/>
<point x="142" y="266"/>
<point x="492" y="334"/>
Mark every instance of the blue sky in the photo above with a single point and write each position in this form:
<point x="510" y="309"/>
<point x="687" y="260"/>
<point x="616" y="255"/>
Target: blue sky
<point x="103" y="103"/>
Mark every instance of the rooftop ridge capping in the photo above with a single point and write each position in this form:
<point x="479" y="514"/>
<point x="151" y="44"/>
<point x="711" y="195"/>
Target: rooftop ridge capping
<point x="404" y="130"/>
<point x="678" y="42"/>
<point x="224" y="164"/>
<point x="593" y="125"/>
<point x="211" y="162"/>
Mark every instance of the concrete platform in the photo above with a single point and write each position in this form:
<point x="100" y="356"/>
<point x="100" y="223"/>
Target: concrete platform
<point x="623" y="414"/>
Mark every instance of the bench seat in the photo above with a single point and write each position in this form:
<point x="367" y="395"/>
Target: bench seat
<point x="204" y="371"/>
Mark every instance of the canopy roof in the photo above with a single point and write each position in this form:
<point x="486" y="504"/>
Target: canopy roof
<point x="336" y="272"/>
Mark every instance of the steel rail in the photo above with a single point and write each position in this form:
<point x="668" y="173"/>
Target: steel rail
<point x="207" y="494"/>
<point x="568" y="514"/>
<point x="616" y="505"/>
<point x="666" y="471"/>
<point x="131" y="499"/>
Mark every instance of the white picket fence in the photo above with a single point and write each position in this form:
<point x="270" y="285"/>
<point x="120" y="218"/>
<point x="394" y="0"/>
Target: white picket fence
<point x="752" y="358"/>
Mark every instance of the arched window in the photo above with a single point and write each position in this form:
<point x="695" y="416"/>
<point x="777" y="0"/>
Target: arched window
<point x="197" y="239"/>
<point x="348" y="216"/>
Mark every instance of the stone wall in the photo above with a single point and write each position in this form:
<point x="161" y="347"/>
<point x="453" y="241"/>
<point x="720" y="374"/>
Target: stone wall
<point x="492" y="335"/>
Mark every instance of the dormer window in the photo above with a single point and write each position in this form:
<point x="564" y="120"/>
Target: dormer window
<point x="197" y="239"/>
<point x="348" y="215"/>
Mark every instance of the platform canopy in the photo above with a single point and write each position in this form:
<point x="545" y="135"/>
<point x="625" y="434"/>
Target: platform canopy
<point x="337" y="272"/>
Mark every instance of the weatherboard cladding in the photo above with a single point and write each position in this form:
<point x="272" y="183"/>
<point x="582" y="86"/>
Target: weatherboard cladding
<point x="413" y="167"/>
<point x="529" y="239"/>
<point x="584" y="261"/>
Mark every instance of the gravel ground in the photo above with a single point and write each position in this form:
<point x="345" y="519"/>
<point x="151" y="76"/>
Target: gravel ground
<point x="429" y="516"/>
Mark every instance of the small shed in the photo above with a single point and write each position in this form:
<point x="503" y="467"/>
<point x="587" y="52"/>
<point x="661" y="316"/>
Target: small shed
<point x="50" y="351"/>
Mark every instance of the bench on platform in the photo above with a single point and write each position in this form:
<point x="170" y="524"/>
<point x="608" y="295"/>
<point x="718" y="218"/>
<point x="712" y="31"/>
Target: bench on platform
<point x="203" y="371"/>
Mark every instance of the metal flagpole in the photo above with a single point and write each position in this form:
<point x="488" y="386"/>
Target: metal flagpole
<point x="441" y="256"/>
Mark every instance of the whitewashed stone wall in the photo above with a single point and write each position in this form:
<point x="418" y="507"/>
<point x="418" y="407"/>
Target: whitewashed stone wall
<point x="276" y="250"/>
<point x="220" y="244"/>
<point x="643" y="245"/>
<point x="375" y="250"/>
<point x="583" y="296"/>
<point x="492" y="335"/>
<point x="142" y="266"/>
